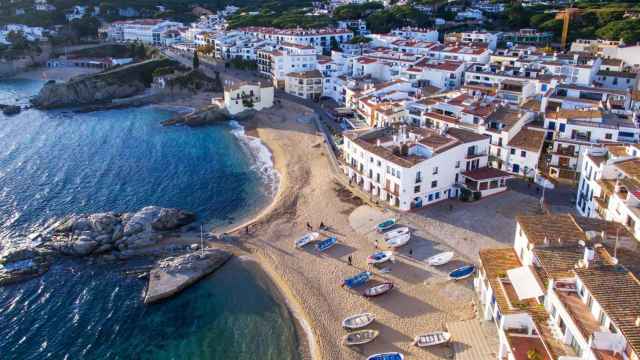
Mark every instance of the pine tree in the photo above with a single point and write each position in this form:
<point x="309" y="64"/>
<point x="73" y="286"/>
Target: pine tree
<point x="196" y="60"/>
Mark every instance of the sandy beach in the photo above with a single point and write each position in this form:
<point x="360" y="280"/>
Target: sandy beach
<point x="423" y="300"/>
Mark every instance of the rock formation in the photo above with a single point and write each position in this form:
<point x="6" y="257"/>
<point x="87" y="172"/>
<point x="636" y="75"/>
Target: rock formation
<point x="82" y="235"/>
<point x="22" y="263"/>
<point x="210" y="115"/>
<point x="172" y="275"/>
<point x="103" y="87"/>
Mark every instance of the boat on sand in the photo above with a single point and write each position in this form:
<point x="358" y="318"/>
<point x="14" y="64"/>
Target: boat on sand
<point x="307" y="238"/>
<point x="379" y="257"/>
<point x="378" y="290"/>
<point x="357" y="280"/>
<point x="398" y="241"/>
<point x="396" y="232"/>
<point x="387" y="356"/>
<point x="441" y="259"/>
<point x="360" y="337"/>
<point x="358" y="321"/>
<point x="326" y="244"/>
<point x="386" y="225"/>
<point x="462" y="272"/>
<point x="432" y="338"/>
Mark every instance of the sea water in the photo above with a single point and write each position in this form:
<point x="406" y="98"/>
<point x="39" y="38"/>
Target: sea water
<point x="53" y="163"/>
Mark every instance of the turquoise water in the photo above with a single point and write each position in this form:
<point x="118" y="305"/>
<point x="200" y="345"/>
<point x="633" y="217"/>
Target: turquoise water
<point x="56" y="162"/>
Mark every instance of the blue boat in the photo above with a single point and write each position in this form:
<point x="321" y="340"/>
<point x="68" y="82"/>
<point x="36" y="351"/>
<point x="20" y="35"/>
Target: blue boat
<point x="326" y="243"/>
<point x="462" y="272"/>
<point x="386" y="225"/>
<point x="387" y="356"/>
<point x="358" y="280"/>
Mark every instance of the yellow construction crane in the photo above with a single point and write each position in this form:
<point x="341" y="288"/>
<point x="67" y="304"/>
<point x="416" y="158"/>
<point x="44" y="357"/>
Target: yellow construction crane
<point x="566" y="15"/>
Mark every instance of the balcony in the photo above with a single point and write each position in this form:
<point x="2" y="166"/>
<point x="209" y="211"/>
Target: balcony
<point x="391" y="191"/>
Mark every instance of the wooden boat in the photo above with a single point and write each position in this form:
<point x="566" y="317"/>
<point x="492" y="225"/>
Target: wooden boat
<point x="357" y="280"/>
<point x="387" y="356"/>
<point x="379" y="257"/>
<point x="396" y="232"/>
<point x="441" y="259"/>
<point x="462" y="272"/>
<point x="360" y="337"/>
<point x="358" y="321"/>
<point x="306" y="239"/>
<point x="326" y="243"/>
<point x="386" y="225"/>
<point x="398" y="240"/>
<point x="378" y="290"/>
<point x="432" y="338"/>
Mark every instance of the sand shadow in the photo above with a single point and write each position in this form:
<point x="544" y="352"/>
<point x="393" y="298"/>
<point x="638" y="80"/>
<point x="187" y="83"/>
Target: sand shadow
<point x="408" y="271"/>
<point x="338" y="250"/>
<point x="390" y="334"/>
<point x="401" y="304"/>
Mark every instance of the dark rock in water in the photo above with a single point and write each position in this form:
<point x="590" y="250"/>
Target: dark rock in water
<point x="10" y="109"/>
<point x="83" y="235"/>
<point x="207" y="116"/>
<point x="172" y="275"/>
<point x="22" y="263"/>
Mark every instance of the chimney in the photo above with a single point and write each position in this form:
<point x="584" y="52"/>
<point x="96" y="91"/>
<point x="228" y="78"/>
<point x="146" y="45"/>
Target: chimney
<point x="378" y="143"/>
<point x="589" y="254"/>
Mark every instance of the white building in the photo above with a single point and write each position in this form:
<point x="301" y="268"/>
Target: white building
<point x="442" y="74"/>
<point x="307" y="37"/>
<point x="157" y="32"/>
<point x="304" y="84"/>
<point x="413" y="167"/>
<point x="247" y="96"/>
<point x="474" y="38"/>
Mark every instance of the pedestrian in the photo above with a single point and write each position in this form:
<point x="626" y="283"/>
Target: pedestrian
<point x="322" y="227"/>
<point x="376" y="243"/>
<point x="246" y="229"/>
<point x="309" y="227"/>
<point x="349" y="260"/>
<point x="410" y="252"/>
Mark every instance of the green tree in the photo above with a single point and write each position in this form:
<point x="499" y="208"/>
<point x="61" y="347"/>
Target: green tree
<point x="196" y="60"/>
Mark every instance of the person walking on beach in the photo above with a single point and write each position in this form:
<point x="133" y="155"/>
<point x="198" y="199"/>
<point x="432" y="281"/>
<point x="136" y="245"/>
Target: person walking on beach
<point x="349" y="260"/>
<point x="309" y="227"/>
<point x="410" y="252"/>
<point x="322" y="226"/>
<point x="376" y="243"/>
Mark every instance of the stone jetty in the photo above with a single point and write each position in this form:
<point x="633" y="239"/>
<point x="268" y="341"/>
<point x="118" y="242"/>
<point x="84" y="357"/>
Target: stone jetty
<point x="172" y="275"/>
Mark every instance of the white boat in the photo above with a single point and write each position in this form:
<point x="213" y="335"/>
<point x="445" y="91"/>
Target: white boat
<point x="360" y="337"/>
<point x="358" y="321"/>
<point x="441" y="259"/>
<point x="432" y="338"/>
<point x="379" y="257"/>
<point x="306" y="239"/>
<point x="398" y="240"/>
<point x="396" y="232"/>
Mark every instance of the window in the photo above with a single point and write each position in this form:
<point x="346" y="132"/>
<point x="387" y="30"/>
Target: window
<point x="437" y="195"/>
<point x="513" y="151"/>
<point x="435" y="170"/>
<point x="434" y="184"/>
<point x="562" y="127"/>
<point x="608" y="136"/>
<point x="418" y="177"/>
<point x="457" y="164"/>
<point x="523" y="153"/>
<point x="416" y="189"/>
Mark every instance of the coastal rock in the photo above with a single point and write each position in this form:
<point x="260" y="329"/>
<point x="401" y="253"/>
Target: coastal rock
<point x="102" y="87"/>
<point x="10" y="109"/>
<point x="22" y="263"/>
<point x="172" y="275"/>
<point x="82" y="235"/>
<point x="209" y="115"/>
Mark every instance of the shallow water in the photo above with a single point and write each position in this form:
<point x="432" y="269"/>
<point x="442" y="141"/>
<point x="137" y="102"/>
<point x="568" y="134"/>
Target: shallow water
<point x="57" y="162"/>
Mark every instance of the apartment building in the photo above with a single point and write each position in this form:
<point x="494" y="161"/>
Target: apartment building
<point x="408" y="167"/>
<point x="306" y="37"/>
<point x="304" y="84"/>
<point x="609" y="180"/>
<point x="617" y="79"/>
<point x="415" y="33"/>
<point x="485" y="38"/>
<point x="156" y="32"/>
<point x="441" y="74"/>
<point x="568" y="289"/>
<point x="276" y="61"/>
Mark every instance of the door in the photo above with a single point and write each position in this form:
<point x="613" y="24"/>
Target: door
<point x="516" y="168"/>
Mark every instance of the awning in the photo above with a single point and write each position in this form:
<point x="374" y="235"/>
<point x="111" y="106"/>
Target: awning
<point x="525" y="283"/>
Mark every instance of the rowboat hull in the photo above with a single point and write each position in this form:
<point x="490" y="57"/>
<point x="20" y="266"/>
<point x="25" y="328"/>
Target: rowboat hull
<point x="380" y="257"/>
<point x="357" y="280"/>
<point x="360" y="337"/>
<point x="378" y="290"/>
<point x="358" y="321"/>
<point x="387" y="356"/>
<point x="462" y="272"/>
<point x="307" y="238"/>
<point x="398" y="241"/>
<point x="326" y="244"/>
<point x="432" y="339"/>
<point x="386" y="225"/>
<point x="440" y="259"/>
<point x="396" y="232"/>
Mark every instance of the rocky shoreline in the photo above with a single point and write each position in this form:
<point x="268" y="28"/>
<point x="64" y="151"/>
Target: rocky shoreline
<point x="116" y="236"/>
<point x="206" y="116"/>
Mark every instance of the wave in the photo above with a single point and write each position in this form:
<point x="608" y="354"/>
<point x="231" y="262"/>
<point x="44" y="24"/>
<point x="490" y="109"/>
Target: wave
<point x="261" y="156"/>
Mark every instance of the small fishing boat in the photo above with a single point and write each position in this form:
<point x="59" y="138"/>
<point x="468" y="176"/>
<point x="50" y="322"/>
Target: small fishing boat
<point x="386" y="225"/>
<point x="379" y="257"/>
<point x="462" y="272"/>
<point x="306" y="239"/>
<point x="326" y="243"/>
<point x="360" y="337"/>
<point x="432" y="338"/>
<point x="396" y="232"/>
<point x="378" y="290"/>
<point x="398" y="240"/>
<point x="357" y="280"/>
<point x="440" y="259"/>
<point x="358" y="321"/>
<point x="387" y="356"/>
